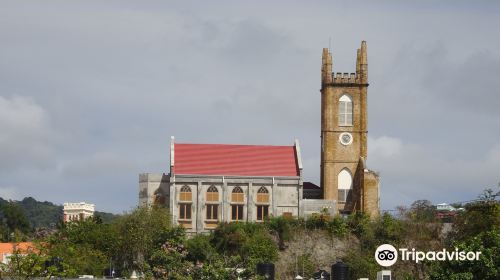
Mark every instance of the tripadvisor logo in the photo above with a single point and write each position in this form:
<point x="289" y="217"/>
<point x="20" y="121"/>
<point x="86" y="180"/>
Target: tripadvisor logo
<point x="387" y="255"/>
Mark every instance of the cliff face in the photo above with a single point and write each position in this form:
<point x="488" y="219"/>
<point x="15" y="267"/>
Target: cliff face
<point x="310" y="250"/>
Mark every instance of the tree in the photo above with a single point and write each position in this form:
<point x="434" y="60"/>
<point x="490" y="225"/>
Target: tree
<point x="337" y="227"/>
<point x="281" y="227"/>
<point x="84" y="247"/>
<point x="200" y="249"/>
<point x="140" y="233"/>
<point x="422" y="211"/>
<point x="476" y="229"/>
<point x="77" y="259"/>
<point x="170" y="262"/>
<point x="229" y="238"/>
<point x="15" y="219"/>
<point x="259" y="248"/>
<point x="389" y="230"/>
<point x="479" y="216"/>
<point x="29" y="263"/>
<point x="486" y="268"/>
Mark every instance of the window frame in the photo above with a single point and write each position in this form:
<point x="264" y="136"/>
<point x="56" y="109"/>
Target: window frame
<point x="212" y="212"/>
<point x="237" y="195"/>
<point x="187" y="209"/>
<point x="237" y="215"/>
<point x="212" y="195"/>
<point x="346" y="194"/>
<point x="185" y="194"/>
<point x="345" y="109"/>
<point x="263" y="196"/>
<point x="262" y="212"/>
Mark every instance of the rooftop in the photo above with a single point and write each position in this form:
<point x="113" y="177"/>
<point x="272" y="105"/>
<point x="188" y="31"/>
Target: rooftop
<point x="235" y="160"/>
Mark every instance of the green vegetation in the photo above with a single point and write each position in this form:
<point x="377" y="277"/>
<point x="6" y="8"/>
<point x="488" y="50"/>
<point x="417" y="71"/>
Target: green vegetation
<point x="29" y="218"/>
<point x="40" y="214"/>
<point x="14" y="225"/>
<point x="145" y="241"/>
<point x="476" y="229"/>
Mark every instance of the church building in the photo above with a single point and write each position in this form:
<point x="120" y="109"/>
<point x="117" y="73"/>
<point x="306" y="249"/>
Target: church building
<point x="212" y="183"/>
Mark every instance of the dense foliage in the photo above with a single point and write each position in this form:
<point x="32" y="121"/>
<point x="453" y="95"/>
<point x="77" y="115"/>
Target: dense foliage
<point x="145" y="241"/>
<point x="14" y="226"/>
<point x="20" y="220"/>
<point x="476" y="229"/>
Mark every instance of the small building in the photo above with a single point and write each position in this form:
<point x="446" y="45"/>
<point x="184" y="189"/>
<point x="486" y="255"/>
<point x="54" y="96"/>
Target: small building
<point x="444" y="207"/>
<point x="213" y="183"/>
<point x="7" y="249"/>
<point x="77" y="211"/>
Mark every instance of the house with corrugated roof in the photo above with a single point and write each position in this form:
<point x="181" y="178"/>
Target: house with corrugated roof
<point x="7" y="250"/>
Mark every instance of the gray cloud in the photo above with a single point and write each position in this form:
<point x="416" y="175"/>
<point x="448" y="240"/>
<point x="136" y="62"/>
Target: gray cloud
<point x="92" y="91"/>
<point x="26" y="138"/>
<point x="412" y="171"/>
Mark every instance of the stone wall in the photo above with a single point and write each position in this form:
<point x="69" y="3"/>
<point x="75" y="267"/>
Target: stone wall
<point x="371" y="194"/>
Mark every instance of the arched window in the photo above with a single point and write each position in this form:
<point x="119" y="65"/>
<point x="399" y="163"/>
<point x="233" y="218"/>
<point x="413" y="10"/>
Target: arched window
<point x="237" y="199"/>
<point x="185" y="199"/>
<point x="185" y="194"/>
<point x="262" y="195"/>
<point x="345" y="110"/>
<point x="212" y="194"/>
<point x="262" y="198"/>
<point x="344" y="185"/>
<point x="237" y="195"/>
<point x="212" y="205"/>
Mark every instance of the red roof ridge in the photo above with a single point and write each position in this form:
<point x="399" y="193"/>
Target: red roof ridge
<point x="243" y="145"/>
<point x="235" y="159"/>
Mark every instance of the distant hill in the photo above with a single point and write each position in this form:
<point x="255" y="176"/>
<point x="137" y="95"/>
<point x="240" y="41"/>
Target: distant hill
<point x="106" y="217"/>
<point x="47" y="214"/>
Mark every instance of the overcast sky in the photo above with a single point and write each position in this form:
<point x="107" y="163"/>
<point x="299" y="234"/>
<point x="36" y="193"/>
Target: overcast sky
<point x="91" y="91"/>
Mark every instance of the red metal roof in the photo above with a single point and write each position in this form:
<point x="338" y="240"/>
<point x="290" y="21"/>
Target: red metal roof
<point x="235" y="160"/>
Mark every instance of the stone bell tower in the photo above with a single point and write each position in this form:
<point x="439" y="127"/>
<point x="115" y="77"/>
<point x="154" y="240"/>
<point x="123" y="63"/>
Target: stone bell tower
<point x="344" y="177"/>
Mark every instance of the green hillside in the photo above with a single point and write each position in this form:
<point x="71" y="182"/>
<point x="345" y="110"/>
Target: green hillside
<point x="45" y="214"/>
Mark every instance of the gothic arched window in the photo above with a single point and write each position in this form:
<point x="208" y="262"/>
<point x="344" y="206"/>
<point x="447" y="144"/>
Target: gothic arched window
<point x="237" y="199"/>
<point x="344" y="185"/>
<point x="185" y="194"/>
<point x="237" y="195"/>
<point x="212" y="194"/>
<point x="345" y="110"/>
<point x="212" y="203"/>
<point x="185" y="199"/>
<point x="262" y="195"/>
<point x="263" y="200"/>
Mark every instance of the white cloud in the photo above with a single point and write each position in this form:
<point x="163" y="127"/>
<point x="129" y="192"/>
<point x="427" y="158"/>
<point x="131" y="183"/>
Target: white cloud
<point x="412" y="171"/>
<point x="384" y="146"/>
<point x="9" y="193"/>
<point x="25" y="138"/>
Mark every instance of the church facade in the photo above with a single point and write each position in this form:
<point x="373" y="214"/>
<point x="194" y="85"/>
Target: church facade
<point x="212" y="183"/>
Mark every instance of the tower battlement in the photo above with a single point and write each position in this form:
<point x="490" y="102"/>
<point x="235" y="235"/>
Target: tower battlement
<point x="360" y="77"/>
<point x="345" y="78"/>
